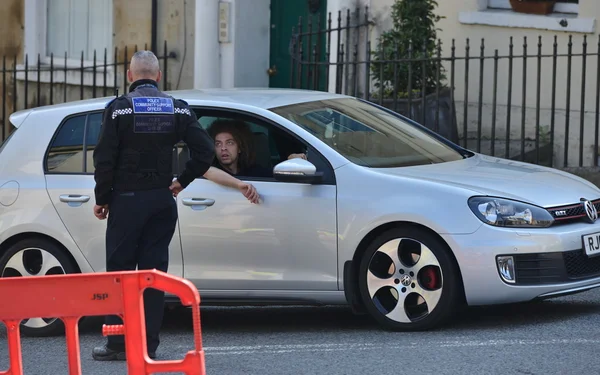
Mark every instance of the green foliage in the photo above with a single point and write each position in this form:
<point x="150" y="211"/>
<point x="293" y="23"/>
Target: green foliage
<point x="413" y="20"/>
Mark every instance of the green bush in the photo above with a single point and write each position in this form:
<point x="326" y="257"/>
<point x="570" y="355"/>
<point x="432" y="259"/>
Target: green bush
<point x="413" y="20"/>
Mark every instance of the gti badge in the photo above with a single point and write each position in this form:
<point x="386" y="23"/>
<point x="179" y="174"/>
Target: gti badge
<point x="590" y="210"/>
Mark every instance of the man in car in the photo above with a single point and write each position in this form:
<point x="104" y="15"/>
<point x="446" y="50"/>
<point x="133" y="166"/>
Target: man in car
<point x="135" y="185"/>
<point x="234" y="149"/>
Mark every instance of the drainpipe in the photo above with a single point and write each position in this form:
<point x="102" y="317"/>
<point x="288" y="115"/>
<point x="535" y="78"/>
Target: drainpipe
<point x="154" y="41"/>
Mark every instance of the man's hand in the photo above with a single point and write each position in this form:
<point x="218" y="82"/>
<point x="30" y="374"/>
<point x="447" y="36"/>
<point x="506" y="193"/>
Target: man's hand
<point x="101" y="212"/>
<point x="249" y="192"/>
<point x="223" y="178"/>
<point x="175" y="188"/>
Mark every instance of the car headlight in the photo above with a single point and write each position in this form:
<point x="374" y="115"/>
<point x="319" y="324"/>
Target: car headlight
<point x="508" y="213"/>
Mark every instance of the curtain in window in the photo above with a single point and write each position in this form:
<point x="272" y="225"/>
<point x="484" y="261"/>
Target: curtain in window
<point x="76" y="26"/>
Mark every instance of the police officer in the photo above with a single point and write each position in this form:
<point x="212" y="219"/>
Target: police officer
<point x="135" y="187"/>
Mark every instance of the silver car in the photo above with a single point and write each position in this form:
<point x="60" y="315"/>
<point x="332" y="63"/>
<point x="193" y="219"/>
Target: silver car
<point x="384" y="216"/>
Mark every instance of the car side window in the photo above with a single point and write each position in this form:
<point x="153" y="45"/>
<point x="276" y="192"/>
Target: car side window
<point x="266" y="152"/>
<point x="272" y="145"/>
<point x="66" y="152"/>
<point x="92" y="135"/>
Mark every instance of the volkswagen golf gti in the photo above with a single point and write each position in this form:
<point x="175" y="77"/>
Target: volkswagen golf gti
<point x="383" y="215"/>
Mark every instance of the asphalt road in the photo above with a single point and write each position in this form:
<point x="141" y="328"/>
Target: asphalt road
<point x="560" y="336"/>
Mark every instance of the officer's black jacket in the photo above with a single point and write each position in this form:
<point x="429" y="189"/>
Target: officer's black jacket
<point x="135" y="148"/>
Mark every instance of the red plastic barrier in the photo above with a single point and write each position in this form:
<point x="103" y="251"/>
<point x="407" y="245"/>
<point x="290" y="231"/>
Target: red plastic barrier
<point x="70" y="297"/>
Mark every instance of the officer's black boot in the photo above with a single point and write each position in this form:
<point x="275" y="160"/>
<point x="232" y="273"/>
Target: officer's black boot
<point x="104" y="353"/>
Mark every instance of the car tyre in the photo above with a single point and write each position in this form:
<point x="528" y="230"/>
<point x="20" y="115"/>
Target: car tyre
<point x="36" y="257"/>
<point x="402" y="268"/>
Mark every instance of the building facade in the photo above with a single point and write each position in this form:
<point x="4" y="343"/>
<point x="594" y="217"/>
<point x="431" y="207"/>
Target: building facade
<point x="60" y="50"/>
<point x="503" y="102"/>
<point x="550" y="97"/>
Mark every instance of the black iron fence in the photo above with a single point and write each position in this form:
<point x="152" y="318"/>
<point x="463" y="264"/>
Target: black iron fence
<point x="520" y="99"/>
<point x="43" y="81"/>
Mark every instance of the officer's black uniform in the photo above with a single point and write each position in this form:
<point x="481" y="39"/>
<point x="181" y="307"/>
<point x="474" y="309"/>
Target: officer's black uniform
<point x="133" y="171"/>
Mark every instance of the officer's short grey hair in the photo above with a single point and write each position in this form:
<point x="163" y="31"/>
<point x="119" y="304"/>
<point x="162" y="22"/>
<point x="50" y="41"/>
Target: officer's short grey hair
<point x="145" y="63"/>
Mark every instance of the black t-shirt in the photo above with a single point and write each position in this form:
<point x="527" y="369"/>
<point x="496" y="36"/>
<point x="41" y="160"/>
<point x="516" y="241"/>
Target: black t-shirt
<point x="251" y="171"/>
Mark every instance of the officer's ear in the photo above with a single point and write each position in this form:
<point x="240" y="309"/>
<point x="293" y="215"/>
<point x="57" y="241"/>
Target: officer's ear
<point x="159" y="76"/>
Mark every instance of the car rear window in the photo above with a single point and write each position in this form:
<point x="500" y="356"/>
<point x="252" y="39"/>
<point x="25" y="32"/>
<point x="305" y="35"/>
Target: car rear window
<point x="75" y="134"/>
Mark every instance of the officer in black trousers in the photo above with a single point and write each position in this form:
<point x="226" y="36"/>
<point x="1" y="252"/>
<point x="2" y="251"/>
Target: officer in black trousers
<point x="135" y="187"/>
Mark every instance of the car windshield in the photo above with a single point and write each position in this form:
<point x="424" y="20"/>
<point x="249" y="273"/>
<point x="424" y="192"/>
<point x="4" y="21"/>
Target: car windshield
<point x="367" y="135"/>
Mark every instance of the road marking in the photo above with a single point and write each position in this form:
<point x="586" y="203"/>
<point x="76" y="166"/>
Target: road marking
<point x="279" y="349"/>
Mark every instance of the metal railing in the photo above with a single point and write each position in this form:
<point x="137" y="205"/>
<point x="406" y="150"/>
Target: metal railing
<point x="541" y="107"/>
<point x="45" y="81"/>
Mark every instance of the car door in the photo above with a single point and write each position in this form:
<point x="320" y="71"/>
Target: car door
<point x="69" y="170"/>
<point x="288" y="241"/>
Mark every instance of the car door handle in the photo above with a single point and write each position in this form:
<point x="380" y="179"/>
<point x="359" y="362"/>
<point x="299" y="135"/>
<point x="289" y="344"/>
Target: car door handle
<point x="74" y="198"/>
<point x="198" y="202"/>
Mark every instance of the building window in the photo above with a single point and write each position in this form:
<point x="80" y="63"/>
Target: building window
<point x="564" y="18"/>
<point x="561" y="6"/>
<point x="76" y="26"/>
<point x="56" y="27"/>
<point x="71" y="26"/>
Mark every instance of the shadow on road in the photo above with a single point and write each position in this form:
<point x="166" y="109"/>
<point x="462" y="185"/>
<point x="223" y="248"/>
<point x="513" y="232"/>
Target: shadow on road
<point x="283" y="319"/>
<point x="333" y="318"/>
<point x="259" y="319"/>
<point x="523" y="314"/>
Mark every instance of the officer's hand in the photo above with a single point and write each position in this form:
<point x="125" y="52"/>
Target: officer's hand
<point x="101" y="212"/>
<point x="175" y="188"/>
<point x="249" y="192"/>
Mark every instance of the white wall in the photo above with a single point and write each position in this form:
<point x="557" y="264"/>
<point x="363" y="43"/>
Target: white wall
<point x="244" y="59"/>
<point x="227" y="48"/>
<point x="207" y="66"/>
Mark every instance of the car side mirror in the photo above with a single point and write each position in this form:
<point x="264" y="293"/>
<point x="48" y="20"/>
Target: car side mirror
<point x="297" y="170"/>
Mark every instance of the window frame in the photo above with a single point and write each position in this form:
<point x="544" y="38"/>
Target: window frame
<point x="505" y="17"/>
<point x="36" y="39"/>
<point x="83" y="145"/>
<point x="34" y="44"/>
<point x="323" y="166"/>
<point x="567" y="8"/>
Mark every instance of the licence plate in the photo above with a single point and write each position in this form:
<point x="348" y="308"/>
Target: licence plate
<point x="591" y="244"/>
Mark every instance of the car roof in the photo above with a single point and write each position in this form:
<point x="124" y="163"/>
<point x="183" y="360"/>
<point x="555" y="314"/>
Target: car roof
<point x="264" y="98"/>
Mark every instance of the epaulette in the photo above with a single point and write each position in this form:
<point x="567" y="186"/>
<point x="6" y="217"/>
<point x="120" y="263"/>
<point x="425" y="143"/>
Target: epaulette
<point x="113" y="100"/>
<point x="182" y="101"/>
<point x="126" y="110"/>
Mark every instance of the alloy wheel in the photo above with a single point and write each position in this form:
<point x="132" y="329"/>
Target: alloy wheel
<point x="30" y="262"/>
<point x="404" y="280"/>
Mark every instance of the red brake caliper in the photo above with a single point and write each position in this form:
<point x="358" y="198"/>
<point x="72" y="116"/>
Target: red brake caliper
<point x="430" y="279"/>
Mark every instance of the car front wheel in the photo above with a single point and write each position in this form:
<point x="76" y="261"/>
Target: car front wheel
<point x="36" y="257"/>
<point x="408" y="280"/>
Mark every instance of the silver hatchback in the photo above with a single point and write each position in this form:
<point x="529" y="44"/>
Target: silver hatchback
<point x="384" y="215"/>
